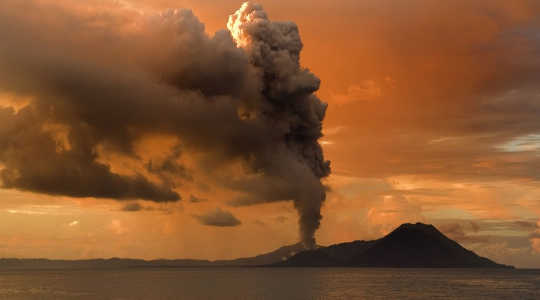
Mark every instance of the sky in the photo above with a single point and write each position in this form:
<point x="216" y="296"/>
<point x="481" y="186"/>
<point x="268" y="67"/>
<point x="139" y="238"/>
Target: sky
<point x="433" y="116"/>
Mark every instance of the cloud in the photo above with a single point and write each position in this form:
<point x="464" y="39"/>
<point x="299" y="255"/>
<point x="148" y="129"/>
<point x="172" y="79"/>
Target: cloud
<point x="136" y="207"/>
<point x="102" y="78"/>
<point x="132" y="207"/>
<point x="274" y="48"/>
<point x="219" y="218"/>
<point x="507" y="241"/>
<point x="194" y="199"/>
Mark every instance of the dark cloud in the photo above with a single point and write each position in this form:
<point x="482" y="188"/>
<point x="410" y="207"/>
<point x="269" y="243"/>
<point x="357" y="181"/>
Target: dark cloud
<point x="136" y="207"/>
<point x="33" y="162"/>
<point x="195" y="199"/>
<point x="219" y="218"/>
<point x="132" y="207"/>
<point x="108" y="78"/>
<point x="168" y="170"/>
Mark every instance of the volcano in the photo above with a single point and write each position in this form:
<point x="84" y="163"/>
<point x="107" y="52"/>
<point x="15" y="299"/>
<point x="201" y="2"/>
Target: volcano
<point x="408" y="246"/>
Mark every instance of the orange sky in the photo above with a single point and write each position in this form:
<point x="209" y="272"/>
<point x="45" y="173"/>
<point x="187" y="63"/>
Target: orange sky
<point x="433" y="116"/>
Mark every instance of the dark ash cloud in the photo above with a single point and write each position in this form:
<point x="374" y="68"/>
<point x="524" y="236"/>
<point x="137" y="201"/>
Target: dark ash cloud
<point x="219" y="218"/>
<point x="109" y="78"/>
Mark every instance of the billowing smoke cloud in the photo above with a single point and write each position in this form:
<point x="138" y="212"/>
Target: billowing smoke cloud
<point x="99" y="81"/>
<point x="289" y="103"/>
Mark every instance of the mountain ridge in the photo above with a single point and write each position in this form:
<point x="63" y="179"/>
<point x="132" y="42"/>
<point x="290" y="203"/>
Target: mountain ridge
<point x="409" y="245"/>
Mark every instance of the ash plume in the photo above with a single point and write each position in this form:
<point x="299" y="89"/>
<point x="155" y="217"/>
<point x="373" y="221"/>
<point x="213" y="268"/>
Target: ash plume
<point x="289" y="103"/>
<point x="101" y="82"/>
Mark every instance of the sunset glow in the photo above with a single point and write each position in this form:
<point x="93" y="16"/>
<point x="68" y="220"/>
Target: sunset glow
<point x="141" y="129"/>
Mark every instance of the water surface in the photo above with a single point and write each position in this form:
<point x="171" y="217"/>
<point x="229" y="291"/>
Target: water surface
<point x="269" y="283"/>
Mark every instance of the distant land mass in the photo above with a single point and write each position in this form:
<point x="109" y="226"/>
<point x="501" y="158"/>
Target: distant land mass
<point x="409" y="246"/>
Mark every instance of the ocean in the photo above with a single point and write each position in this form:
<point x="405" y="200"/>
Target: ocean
<point x="269" y="283"/>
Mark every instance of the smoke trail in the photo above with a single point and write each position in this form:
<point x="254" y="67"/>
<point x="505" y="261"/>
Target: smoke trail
<point x="288" y="92"/>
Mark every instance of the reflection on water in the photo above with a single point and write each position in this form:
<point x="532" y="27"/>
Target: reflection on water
<point x="270" y="283"/>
